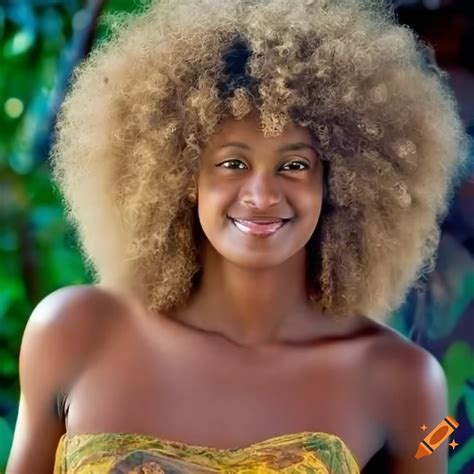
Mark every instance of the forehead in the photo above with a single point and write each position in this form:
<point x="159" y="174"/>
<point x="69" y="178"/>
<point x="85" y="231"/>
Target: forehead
<point x="247" y="130"/>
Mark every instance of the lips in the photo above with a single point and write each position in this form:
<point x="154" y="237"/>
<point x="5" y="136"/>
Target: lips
<point x="261" y="227"/>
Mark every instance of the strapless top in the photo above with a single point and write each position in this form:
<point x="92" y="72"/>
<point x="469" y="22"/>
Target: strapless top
<point x="114" y="453"/>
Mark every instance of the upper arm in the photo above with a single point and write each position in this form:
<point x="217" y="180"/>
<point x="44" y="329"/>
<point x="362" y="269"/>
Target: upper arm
<point x="53" y="351"/>
<point x="416" y="396"/>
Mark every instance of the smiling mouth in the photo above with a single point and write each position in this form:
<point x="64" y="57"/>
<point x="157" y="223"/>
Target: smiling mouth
<point x="258" y="229"/>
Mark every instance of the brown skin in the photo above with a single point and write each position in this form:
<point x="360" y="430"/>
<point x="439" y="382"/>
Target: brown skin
<point x="246" y="359"/>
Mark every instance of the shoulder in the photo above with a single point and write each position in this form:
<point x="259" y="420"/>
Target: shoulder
<point x="411" y="392"/>
<point x="72" y="309"/>
<point x="399" y="363"/>
<point x="65" y="330"/>
<point x="69" y="323"/>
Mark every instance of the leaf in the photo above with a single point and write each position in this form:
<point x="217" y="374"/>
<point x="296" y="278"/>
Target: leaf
<point x="463" y="454"/>
<point x="12" y="289"/>
<point x="19" y="44"/>
<point x="469" y="400"/>
<point x="459" y="368"/>
<point x="6" y="438"/>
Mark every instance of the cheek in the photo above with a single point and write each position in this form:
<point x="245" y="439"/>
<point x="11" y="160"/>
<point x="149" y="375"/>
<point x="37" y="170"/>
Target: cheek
<point x="213" y="204"/>
<point x="308" y="200"/>
<point x="215" y="193"/>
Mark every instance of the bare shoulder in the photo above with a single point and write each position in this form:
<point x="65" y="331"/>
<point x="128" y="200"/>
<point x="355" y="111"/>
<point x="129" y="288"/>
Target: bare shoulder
<point x="412" y="393"/>
<point x="65" y="329"/>
<point x="395" y="355"/>
<point x="74" y="323"/>
<point x="74" y="310"/>
<point x="70" y="322"/>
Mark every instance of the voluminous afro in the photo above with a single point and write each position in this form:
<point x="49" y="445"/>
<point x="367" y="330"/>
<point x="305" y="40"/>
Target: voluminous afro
<point x="142" y="107"/>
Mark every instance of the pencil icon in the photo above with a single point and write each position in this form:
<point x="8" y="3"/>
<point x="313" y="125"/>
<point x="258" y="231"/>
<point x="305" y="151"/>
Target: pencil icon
<point x="436" y="437"/>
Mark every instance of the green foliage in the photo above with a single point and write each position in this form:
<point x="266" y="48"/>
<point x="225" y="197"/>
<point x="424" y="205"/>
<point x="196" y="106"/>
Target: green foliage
<point x="459" y="372"/>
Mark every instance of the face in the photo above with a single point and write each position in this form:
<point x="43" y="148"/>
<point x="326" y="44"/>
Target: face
<point x="259" y="199"/>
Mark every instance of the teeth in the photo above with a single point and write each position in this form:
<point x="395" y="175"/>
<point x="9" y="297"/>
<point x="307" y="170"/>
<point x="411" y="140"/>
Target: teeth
<point x="258" y="228"/>
<point x="258" y="222"/>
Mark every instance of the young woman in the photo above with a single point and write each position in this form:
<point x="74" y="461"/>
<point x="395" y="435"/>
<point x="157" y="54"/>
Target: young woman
<point x="256" y="184"/>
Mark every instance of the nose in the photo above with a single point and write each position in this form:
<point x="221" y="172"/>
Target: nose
<point x="261" y="191"/>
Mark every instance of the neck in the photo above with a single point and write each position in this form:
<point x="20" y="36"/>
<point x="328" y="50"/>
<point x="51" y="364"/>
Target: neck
<point x="251" y="306"/>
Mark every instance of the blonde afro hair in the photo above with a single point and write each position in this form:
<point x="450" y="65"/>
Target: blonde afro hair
<point x="143" y="105"/>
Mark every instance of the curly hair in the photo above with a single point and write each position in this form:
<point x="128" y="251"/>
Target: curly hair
<point x="143" y="105"/>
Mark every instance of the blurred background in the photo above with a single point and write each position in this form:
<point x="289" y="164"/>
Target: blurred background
<point x="41" y="41"/>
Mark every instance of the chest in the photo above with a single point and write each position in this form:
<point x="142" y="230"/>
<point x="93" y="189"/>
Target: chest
<point x="205" y="395"/>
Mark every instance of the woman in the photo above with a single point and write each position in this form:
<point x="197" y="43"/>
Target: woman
<point x="256" y="185"/>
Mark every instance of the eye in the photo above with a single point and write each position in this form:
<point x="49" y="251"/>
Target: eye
<point x="233" y="164"/>
<point x="300" y="166"/>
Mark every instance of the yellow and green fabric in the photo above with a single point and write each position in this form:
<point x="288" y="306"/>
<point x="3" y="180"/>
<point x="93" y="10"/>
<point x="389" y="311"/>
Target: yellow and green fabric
<point x="114" y="453"/>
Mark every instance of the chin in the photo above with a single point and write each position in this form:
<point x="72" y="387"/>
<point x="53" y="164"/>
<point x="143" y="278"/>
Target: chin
<point x="256" y="259"/>
<point x="256" y="262"/>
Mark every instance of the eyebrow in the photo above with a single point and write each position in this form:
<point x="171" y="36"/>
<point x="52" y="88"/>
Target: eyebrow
<point x="289" y="147"/>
